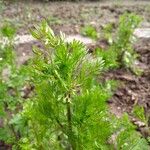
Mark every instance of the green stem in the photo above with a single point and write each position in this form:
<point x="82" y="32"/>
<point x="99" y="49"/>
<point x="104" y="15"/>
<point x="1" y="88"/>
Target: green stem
<point x="70" y="132"/>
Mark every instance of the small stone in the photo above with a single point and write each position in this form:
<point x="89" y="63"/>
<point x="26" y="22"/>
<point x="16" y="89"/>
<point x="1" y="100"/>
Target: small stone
<point x="80" y="38"/>
<point x="142" y="33"/>
<point x="118" y="108"/>
<point x="23" y="54"/>
<point x="145" y="131"/>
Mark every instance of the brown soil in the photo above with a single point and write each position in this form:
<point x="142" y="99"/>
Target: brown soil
<point x="3" y="146"/>
<point x="70" y="17"/>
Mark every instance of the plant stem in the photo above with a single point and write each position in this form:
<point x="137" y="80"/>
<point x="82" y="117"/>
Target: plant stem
<point x="70" y="132"/>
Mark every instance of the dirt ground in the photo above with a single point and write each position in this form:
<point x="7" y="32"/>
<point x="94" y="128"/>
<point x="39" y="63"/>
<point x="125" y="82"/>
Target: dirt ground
<point x="69" y="18"/>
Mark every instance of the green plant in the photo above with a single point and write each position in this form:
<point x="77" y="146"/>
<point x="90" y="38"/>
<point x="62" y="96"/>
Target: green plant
<point x="2" y="5"/>
<point x="107" y="32"/>
<point x="89" y="31"/>
<point x="69" y="110"/>
<point x="121" y="52"/>
<point x="123" y="44"/>
<point x="109" y="57"/>
<point x="139" y="112"/>
<point x="11" y="83"/>
<point x="54" y="20"/>
<point x="8" y="31"/>
<point x="127" y="138"/>
<point x="65" y="82"/>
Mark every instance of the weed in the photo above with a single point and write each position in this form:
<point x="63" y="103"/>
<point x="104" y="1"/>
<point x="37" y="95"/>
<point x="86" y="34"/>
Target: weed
<point x="128" y="138"/>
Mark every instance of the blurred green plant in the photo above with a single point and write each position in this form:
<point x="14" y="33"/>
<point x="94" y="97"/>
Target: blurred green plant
<point x="107" y="32"/>
<point x="2" y="6"/>
<point x="128" y="138"/>
<point x="8" y="31"/>
<point x="139" y="112"/>
<point x="123" y="44"/>
<point x="89" y="31"/>
<point x="54" y="20"/>
<point x="121" y="52"/>
<point x="109" y="57"/>
<point x="11" y="83"/>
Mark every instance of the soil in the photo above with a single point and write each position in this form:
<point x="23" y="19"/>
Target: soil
<point x="69" y="18"/>
<point x="3" y="146"/>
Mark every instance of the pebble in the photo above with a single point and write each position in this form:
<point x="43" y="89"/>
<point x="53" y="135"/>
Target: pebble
<point x="142" y="33"/>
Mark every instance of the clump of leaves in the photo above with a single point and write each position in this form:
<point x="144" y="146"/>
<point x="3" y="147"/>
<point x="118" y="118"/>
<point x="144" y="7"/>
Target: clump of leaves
<point x="127" y="137"/>
<point x="8" y="30"/>
<point x="89" y="31"/>
<point x="139" y="112"/>
<point x="109" y="57"/>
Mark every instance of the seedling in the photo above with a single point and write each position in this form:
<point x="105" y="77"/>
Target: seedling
<point x="121" y="48"/>
<point x="123" y="44"/>
<point x="107" y="32"/>
<point x="89" y="31"/>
